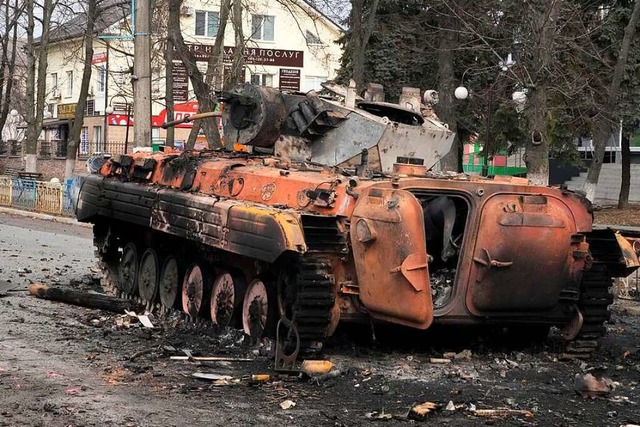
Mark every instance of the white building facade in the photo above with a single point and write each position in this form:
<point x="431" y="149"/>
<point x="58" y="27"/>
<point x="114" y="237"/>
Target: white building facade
<point x="287" y="44"/>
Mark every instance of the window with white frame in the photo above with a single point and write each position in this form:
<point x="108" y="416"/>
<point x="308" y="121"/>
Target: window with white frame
<point x="313" y="83"/>
<point x="54" y="84"/>
<point x="261" y="79"/>
<point x="263" y="27"/>
<point x="102" y="78"/>
<point x="69" y="91"/>
<point x="84" y="140"/>
<point x="207" y="23"/>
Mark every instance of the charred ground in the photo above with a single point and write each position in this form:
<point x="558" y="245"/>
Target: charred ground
<point x="65" y="365"/>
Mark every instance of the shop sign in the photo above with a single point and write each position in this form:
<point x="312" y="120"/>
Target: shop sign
<point x="66" y="111"/>
<point x="289" y="79"/>
<point x="252" y="55"/>
<point x="99" y="58"/>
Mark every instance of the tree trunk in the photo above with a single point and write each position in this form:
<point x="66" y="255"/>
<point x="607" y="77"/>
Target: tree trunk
<point x="605" y="120"/>
<point x="361" y="30"/>
<point x="544" y="17"/>
<point x="204" y="94"/>
<point x="36" y="80"/>
<point x="452" y="161"/>
<point x="168" y="94"/>
<point x="76" y="130"/>
<point x="12" y="26"/>
<point x="238" y="58"/>
<point x="625" y="185"/>
<point x="537" y="147"/>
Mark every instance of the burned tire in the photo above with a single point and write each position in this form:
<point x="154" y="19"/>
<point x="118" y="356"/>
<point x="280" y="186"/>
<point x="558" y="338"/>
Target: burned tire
<point x="596" y="296"/>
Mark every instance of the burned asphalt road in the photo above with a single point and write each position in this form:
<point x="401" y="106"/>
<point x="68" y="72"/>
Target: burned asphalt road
<point x="63" y="365"/>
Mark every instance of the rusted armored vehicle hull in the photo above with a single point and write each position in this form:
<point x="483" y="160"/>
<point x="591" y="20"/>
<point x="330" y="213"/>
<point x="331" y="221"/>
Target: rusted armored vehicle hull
<point x="255" y="238"/>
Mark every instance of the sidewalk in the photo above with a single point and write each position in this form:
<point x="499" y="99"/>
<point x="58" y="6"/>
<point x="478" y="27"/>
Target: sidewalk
<point x="42" y="216"/>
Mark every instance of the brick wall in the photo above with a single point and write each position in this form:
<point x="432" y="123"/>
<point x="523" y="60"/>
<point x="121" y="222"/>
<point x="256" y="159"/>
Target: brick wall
<point x="49" y="168"/>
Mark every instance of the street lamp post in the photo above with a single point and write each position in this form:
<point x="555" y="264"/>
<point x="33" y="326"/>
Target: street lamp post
<point x="110" y="110"/>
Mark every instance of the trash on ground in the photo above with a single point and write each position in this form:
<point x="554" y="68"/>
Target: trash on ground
<point x="420" y="411"/>
<point x="213" y="358"/>
<point x="143" y="318"/>
<point x="287" y="404"/>
<point x="450" y="406"/>
<point x="316" y="367"/>
<point x="502" y="413"/>
<point x="212" y="377"/>
<point x="375" y="415"/>
<point x="439" y="360"/>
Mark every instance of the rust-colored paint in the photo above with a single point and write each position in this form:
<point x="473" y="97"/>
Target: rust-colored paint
<point x="630" y="248"/>
<point x="389" y="250"/>
<point x="519" y="237"/>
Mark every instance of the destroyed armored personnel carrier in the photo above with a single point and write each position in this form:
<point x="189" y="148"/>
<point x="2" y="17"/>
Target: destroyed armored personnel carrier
<point x="323" y="211"/>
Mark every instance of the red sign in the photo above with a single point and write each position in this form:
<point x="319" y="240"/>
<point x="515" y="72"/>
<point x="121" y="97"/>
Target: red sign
<point x="180" y="112"/>
<point x="99" y="58"/>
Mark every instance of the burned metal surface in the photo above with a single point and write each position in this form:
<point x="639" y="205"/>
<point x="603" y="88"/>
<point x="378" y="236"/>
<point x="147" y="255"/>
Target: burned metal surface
<point x="389" y="254"/>
<point x="320" y="245"/>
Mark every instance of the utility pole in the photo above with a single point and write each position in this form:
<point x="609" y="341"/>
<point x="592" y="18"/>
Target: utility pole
<point x="142" y="74"/>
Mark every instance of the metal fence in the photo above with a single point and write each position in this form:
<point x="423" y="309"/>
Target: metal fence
<point x="48" y="197"/>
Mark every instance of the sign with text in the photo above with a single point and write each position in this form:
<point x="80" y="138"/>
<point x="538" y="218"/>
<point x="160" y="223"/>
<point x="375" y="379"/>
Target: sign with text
<point x="290" y="79"/>
<point x="180" y="82"/>
<point x="99" y="58"/>
<point x="66" y="111"/>
<point x="252" y="55"/>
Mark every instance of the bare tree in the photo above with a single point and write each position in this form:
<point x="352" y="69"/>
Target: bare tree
<point x="203" y="91"/>
<point x="362" y="22"/>
<point x="8" y="44"/>
<point x="36" y="78"/>
<point x="74" y="137"/>
<point x="606" y="120"/>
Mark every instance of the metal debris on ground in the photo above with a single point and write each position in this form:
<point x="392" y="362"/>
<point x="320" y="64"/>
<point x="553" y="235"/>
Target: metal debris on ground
<point x="213" y="358"/>
<point x="587" y="385"/>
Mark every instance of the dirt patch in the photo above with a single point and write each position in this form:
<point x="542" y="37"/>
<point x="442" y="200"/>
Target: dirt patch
<point x="610" y="215"/>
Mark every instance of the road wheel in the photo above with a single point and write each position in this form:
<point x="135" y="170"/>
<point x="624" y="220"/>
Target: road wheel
<point x="128" y="270"/>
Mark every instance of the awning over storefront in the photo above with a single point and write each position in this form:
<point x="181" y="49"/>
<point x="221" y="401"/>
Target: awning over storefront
<point x="55" y="123"/>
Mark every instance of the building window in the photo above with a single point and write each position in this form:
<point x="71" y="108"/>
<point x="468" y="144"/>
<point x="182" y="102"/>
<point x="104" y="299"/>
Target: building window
<point x="207" y="23"/>
<point x="102" y="78"/>
<point x="90" y="107"/>
<point x="312" y="38"/>
<point x="313" y="83"/>
<point x="84" y="140"/>
<point x="262" y="79"/>
<point x="97" y="139"/>
<point x="262" y="27"/>
<point x="54" y="85"/>
<point x="69" y="92"/>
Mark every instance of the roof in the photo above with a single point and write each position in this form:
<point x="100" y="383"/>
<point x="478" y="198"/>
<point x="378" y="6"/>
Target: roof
<point x="324" y="15"/>
<point x="111" y="11"/>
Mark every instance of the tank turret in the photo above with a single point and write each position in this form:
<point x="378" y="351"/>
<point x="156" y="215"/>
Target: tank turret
<point x="308" y="127"/>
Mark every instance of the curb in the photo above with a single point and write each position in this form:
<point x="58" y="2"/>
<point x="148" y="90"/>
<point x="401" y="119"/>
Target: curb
<point x="42" y="216"/>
